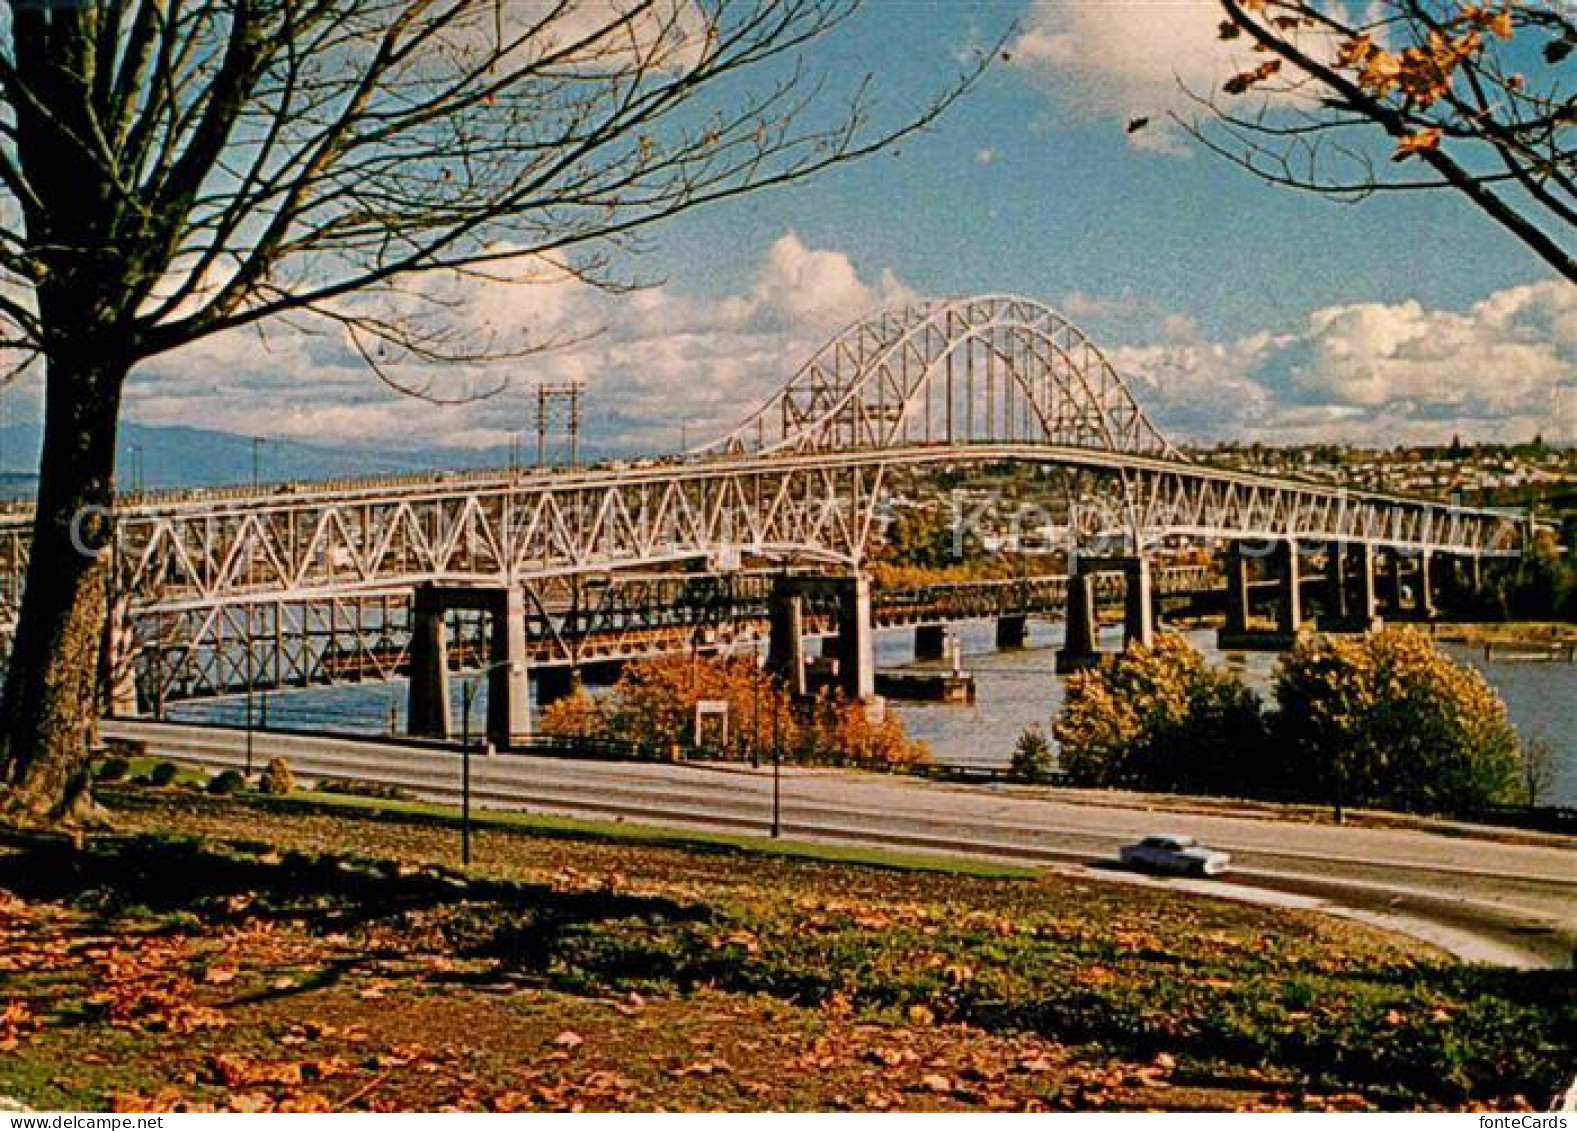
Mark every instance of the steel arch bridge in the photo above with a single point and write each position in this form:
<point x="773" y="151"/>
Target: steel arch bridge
<point x="996" y="369"/>
<point x="929" y="384"/>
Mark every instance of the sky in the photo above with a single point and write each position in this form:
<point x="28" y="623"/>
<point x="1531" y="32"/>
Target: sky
<point x="1236" y="310"/>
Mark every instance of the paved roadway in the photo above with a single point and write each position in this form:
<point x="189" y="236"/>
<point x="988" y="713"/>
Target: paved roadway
<point x="1477" y="896"/>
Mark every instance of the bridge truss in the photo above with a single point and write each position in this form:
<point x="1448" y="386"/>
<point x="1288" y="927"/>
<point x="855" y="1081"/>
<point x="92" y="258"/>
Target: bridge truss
<point x="798" y="486"/>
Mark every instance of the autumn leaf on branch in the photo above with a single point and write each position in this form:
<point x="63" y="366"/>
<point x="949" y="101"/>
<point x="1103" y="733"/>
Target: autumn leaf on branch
<point x="1245" y="81"/>
<point x="1419" y="141"/>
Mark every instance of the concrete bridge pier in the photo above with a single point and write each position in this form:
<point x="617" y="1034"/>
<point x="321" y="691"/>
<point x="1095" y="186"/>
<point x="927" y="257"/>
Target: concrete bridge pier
<point x="1289" y="588"/>
<point x="1138" y="602"/>
<point x="1364" y="610"/>
<point x="1238" y="603"/>
<point x="427" y="705"/>
<point x="1335" y="612"/>
<point x="930" y="642"/>
<point x="1012" y="631"/>
<point x="1081" y="637"/>
<point x="508" y="679"/>
<point x="508" y="688"/>
<point x="786" y="635"/>
<point x="1396" y="584"/>
<point x="856" y="639"/>
<point x="1428" y="575"/>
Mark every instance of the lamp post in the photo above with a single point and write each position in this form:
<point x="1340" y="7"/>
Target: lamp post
<point x="468" y="687"/>
<point x="777" y="769"/>
<point x="251" y="678"/>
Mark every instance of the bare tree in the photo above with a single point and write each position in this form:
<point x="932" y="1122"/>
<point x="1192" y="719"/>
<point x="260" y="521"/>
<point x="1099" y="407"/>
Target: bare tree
<point x="1539" y="763"/>
<point x="173" y="169"/>
<point x="1474" y="97"/>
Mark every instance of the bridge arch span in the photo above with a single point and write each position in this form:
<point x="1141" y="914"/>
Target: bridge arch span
<point x="983" y="370"/>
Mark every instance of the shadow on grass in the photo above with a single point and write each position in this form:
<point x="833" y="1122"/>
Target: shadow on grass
<point x="1427" y="1032"/>
<point x="159" y="874"/>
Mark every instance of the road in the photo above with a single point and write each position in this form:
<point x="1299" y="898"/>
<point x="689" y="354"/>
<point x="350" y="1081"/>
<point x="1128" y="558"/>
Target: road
<point x="1479" y="897"/>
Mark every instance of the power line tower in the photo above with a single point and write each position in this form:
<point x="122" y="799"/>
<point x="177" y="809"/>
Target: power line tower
<point x="558" y="411"/>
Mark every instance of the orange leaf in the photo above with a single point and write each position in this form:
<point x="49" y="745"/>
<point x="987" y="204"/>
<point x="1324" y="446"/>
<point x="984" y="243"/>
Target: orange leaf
<point x="1420" y="141"/>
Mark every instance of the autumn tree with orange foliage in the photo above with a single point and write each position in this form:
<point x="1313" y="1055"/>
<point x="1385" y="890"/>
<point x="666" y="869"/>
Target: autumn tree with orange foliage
<point x="654" y="702"/>
<point x="653" y="706"/>
<point x="1473" y="97"/>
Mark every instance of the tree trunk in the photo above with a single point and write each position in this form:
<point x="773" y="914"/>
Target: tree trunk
<point x="52" y="686"/>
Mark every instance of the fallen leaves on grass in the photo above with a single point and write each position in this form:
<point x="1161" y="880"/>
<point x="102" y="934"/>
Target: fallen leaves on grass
<point x="17" y="1023"/>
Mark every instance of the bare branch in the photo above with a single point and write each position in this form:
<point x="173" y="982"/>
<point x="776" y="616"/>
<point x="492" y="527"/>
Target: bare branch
<point x="1433" y="76"/>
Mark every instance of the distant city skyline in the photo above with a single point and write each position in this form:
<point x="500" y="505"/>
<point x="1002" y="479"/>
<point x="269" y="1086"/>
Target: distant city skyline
<point x="1236" y="310"/>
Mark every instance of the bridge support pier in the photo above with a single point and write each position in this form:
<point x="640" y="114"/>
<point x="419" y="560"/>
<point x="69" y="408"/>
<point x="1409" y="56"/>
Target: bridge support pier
<point x="1080" y="645"/>
<point x="427" y="705"/>
<point x="856" y="640"/>
<point x="1238" y="603"/>
<point x="1289" y="589"/>
<point x="508" y="682"/>
<point x="1395" y="604"/>
<point x="930" y="642"/>
<point x="1012" y="631"/>
<point x="1365" y="605"/>
<point x="786" y="635"/>
<point x="1425" y="602"/>
<point x="1138" y="602"/>
<point x="1350" y="603"/>
<point x="1335" y="612"/>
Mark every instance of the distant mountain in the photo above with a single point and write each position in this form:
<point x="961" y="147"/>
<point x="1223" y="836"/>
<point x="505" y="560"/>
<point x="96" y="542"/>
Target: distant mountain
<point x="178" y="456"/>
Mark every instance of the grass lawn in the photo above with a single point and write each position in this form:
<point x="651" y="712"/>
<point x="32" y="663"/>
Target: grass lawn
<point x="326" y="954"/>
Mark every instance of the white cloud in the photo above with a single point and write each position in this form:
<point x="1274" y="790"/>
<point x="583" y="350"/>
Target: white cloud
<point x="651" y="361"/>
<point x="985" y="156"/>
<point x="1375" y="372"/>
<point x="664" y="358"/>
<point x="1122" y="60"/>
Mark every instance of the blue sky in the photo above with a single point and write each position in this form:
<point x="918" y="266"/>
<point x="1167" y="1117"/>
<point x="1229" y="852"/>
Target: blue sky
<point x="1064" y="202"/>
<point x="1238" y="310"/>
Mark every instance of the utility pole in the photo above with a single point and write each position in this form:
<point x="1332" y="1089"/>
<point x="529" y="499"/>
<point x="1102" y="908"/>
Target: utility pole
<point x="257" y="460"/>
<point x="558" y="410"/>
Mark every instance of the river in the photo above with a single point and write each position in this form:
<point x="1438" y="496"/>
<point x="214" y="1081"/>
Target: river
<point x="1015" y="690"/>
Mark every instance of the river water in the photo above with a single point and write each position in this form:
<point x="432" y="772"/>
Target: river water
<point x="1014" y="690"/>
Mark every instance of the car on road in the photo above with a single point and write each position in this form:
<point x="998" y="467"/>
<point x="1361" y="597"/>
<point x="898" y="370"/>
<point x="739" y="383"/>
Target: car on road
<point x="1180" y="855"/>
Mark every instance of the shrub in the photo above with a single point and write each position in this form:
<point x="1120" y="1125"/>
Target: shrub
<point x="351" y="787"/>
<point x="127" y="748"/>
<point x="1390" y="720"/>
<point x="1033" y="758"/>
<point x="1159" y="717"/>
<point x="226" y="782"/>
<point x="653" y="705"/>
<point x="845" y="733"/>
<point x="277" y="779"/>
<point x="163" y="774"/>
<point x="577" y="715"/>
<point x="113" y="768"/>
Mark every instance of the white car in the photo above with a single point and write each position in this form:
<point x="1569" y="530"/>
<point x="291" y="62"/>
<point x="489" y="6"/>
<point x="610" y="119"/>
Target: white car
<point x="1182" y="855"/>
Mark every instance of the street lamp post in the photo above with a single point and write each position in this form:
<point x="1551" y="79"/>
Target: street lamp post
<point x="777" y="769"/>
<point x="251" y="679"/>
<point x="468" y="687"/>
